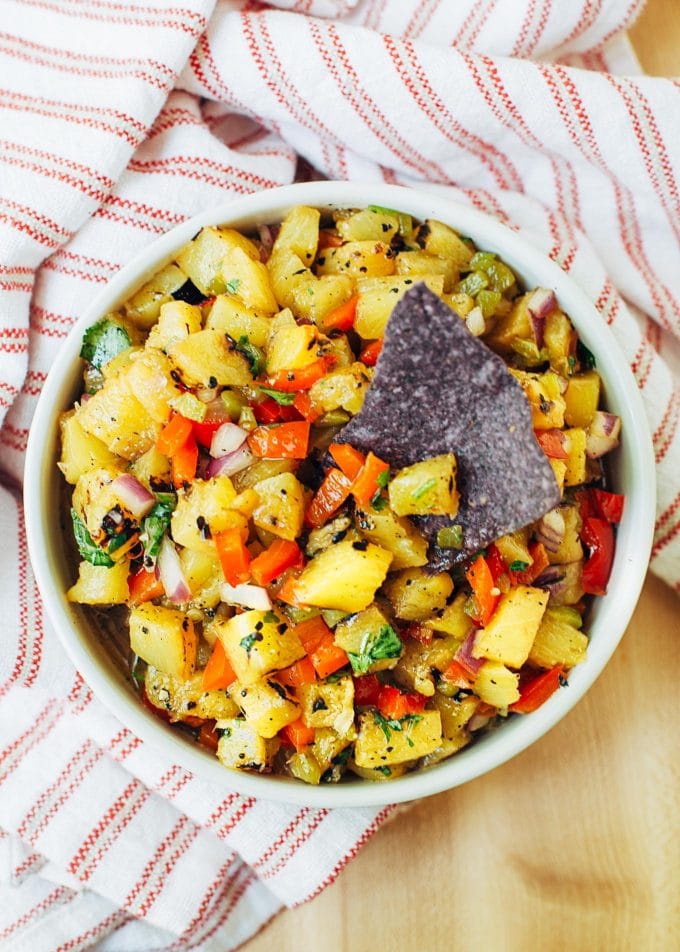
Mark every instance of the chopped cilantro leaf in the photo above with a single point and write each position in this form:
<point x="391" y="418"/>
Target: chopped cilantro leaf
<point x="233" y="285"/>
<point x="253" y="354"/>
<point x="518" y="566"/>
<point x="285" y="399"/>
<point x="383" y="479"/>
<point x="384" y="770"/>
<point x="378" y="502"/>
<point x="249" y="640"/>
<point x="376" y="646"/>
<point x="585" y="356"/>
<point x="104" y="341"/>
<point x="89" y="550"/>
<point x="423" y="488"/>
<point x="155" y="525"/>
<point x="385" y="725"/>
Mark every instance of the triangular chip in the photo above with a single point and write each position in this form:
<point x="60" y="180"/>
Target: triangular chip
<point x="437" y="389"/>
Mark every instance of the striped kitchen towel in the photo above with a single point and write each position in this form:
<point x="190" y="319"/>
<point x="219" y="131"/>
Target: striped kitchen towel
<point x="121" y="118"/>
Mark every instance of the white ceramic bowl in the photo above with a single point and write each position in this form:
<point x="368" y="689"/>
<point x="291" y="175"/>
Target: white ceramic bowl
<point x="632" y="467"/>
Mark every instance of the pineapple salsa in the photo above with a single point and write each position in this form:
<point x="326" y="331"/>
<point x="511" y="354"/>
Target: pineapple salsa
<point x="314" y="582"/>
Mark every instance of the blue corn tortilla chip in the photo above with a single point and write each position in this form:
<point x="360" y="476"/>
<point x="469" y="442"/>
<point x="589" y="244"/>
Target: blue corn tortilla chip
<point x="437" y="389"/>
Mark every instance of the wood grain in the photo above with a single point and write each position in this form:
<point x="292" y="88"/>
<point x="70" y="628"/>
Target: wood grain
<point x="574" y="844"/>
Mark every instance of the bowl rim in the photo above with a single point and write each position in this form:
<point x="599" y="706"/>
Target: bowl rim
<point x="609" y="619"/>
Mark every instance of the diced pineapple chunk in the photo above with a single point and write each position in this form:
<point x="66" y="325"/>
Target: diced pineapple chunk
<point x="511" y="327"/>
<point x="152" y="469"/>
<point x="293" y="346"/>
<point x="118" y="419"/>
<point x="299" y="232"/>
<point x="149" y="379"/>
<point x="249" y="279"/>
<point x="230" y="316"/>
<point x="204" y="509"/>
<point x="241" y="748"/>
<point x="344" y="388"/>
<point x="415" y="595"/>
<point x="328" y="744"/>
<point x="377" y="297"/>
<point x="512" y="628"/>
<point x="281" y="505"/>
<point x="543" y="391"/>
<point x="344" y="576"/>
<point x="303" y="766"/>
<point x="558" y="337"/>
<point x="267" y="705"/>
<point x="99" y="585"/>
<point x="575" y="445"/>
<point x="377" y="774"/>
<point x="353" y="632"/>
<point x="328" y="704"/>
<point x="570" y="549"/>
<point x="514" y="547"/>
<point x="258" y="643"/>
<point x="414" y="263"/>
<point x="455" y="716"/>
<point x="419" y="734"/>
<point x="569" y="591"/>
<point x="204" y="577"/>
<point x="80" y="451"/>
<point x="368" y="224"/>
<point x="398" y="536"/>
<point x="497" y="685"/>
<point x="418" y="664"/>
<point x="559" y="468"/>
<point x="262" y="469"/>
<point x="440" y="240"/>
<point x="209" y="359"/>
<point x="144" y="306"/>
<point x="425" y="488"/>
<point x="177" y="320"/>
<point x="164" y="638"/>
<point x="202" y="258"/>
<point x="453" y="620"/>
<point x="187" y="698"/>
<point x="93" y="498"/>
<point x="357" y="259"/>
<point x="582" y="398"/>
<point x="557" y="642"/>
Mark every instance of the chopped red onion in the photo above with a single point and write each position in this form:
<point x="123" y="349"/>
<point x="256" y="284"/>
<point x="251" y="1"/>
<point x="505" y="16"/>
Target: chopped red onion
<point x="228" y="438"/>
<point x="464" y="655"/>
<point x="603" y="434"/>
<point x="550" y="530"/>
<point x="134" y="497"/>
<point x="246" y="596"/>
<point x="475" y="322"/>
<point x="550" y="578"/>
<point x="231" y="464"/>
<point x="541" y="303"/>
<point x="169" y="571"/>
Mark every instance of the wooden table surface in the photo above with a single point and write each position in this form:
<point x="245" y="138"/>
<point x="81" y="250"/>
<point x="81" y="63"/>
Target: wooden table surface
<point x="573" y="844"/>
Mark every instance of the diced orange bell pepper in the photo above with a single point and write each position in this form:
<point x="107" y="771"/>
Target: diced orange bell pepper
<point x="302" y="672"/>
<point x="342" y="318"/>
<point x="347" y="458"/>
<point x="304" y="406"/>
<point x="297" y="734"/>
<point x="281" y="441"/>
<point x="331" y="494"/>
<point x="328" y="239"/>
<point x="395" y="704"/>
<point x="286" y="593"/>
<point x="552" y="443"/>
<point x="539" y="562"/>
<point x="456" y="674"/>
<point x="174" y="434"/>
<point x="288" y="381"/>
<point x="144" y="586"/>
<point x="311" y="632"/>
<point x="218" y="672"/>
<point x="281" y="555"/>
<point x="234" y="556"/>
<point x="537" y="691"/>
<point x="365" y="486"/>
<point x="184" y="462"/>
<point x="327" y="657"/>
<point x="484" y="589"/>
<point x="369" y="355"/>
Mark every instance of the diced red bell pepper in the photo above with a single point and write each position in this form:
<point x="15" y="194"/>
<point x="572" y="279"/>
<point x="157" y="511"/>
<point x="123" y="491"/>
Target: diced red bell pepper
<point x="552" y="443"/>
<point x="282" y="554"/>
<point x="331" y="494"/>
<point x="218" y="672"/>
<point x="365" y="485"/>
<point x="600" y="504"/>
<point x="204" y="431"/>
<point x="369" y="355"/>
<point x="268" y="411"/>
<point x="288" y="381"/>
<point x="395" y="704"/>
<point x="484" y="589"/>
<point x="540" y="561"/>
<point x="458" y="675"/>
<point x="297" y="734"/>
<point x="144" y="586"/>
<point x="174" y="434"/>
<point x="347" y="458"/>
<point x="537" y="691"/>
<point x="342" y="318"/>
<point x="301" y="672"/>
<point x="496" y="563"/>
<point x="366" y="690"/>
<point x="420" y="633"/>
<point x="598" y="535"/>
<point x="304" y="406"/>
<point x="184" y="462"/>
<point x="234" y="556"/>
<point x="280" y="441"/>
<point x="327" y="657"/>
<point x="311" y="632"/>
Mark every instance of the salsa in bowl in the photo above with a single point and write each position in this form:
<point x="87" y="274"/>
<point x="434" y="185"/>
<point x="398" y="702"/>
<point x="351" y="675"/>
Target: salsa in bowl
<point x="321" y="581"/>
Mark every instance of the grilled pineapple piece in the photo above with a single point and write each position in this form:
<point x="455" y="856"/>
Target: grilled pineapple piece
<point x="425" y="488"/>
<point x="398" y="536"/>
<point x="176" y="321"/>
<point x="412" y="264"/>
<point x="230" y="316"/>
<point x="377" y="297"/>
<point x="557" y="642"/>
<point x="418" y="665"/>
<point x="207" y="503"/>
<point x="453" y="620"/>
<point x="281" y="505"/>
<point x="117" y="418"/>
<point x="202" y="258"/>
<point x="99" y="585"/>
<point x="165" y="638"/>
<point x="368" y="224"/>
<point x="293" y="346"/>
<point x="328" y="704"/>
<point x="80" y="451"/>
<point x="415" y="595"/>
<point x="510" y="633"/>
<point x="344" y="388"/>
<point x="209" y="359"/>
<point x="544" y="393"/>
<point x="582" y="398"/>
<point x="357" y="632"/>
<point x="497" y="685"/>
<point x="455" y="716"/>
<point x="241" y="748"/>
<point x="187" y="698"/>
<point x="358" y="259"/>
<point x="267" y="705"/>
<point x="345" y="576"/>
<point x="443" y="242"/>
<point x="258" y="643"/>
<point x="381" y="744"/>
